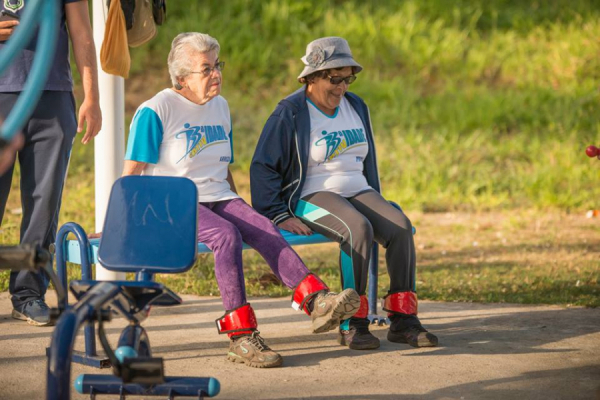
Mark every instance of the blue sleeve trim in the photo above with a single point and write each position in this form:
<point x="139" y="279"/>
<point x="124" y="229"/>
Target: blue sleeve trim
<point x="145" y="137"/>
<point x="231" y="141"/>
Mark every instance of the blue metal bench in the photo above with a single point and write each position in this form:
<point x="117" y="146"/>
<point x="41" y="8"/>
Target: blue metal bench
<point x="84" y="252"/>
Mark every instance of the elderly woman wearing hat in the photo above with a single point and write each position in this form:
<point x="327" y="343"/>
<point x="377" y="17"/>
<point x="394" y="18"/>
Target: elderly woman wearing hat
<point x="186" y="131"/>
<point x="314" y="169"/>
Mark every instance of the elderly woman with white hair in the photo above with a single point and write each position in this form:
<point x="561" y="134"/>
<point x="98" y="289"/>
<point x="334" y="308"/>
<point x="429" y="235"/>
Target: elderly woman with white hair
<point x="314" y="169"/>
<point x="186" y="130"/>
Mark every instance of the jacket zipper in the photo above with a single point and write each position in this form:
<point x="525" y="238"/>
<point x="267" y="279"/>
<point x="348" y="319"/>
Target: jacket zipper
<point x="374" y="154"/>
<point x="300" y="164"/>
<point x="289" y="184"/>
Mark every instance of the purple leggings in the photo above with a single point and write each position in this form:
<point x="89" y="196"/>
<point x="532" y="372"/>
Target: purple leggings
<point x="223" y="225"/>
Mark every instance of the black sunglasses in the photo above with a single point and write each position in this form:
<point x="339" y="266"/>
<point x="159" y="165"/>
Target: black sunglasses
<point x="336" y="80"/>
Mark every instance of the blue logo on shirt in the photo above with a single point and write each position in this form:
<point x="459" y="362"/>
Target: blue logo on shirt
<point x="200" y="137"/>
<point x="341" y="141"/>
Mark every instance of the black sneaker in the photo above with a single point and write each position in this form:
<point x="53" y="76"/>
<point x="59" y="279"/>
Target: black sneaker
<point x="358" y="337"/>
<point x="408" y="329"/>
<point x="253" y="351"/>
<point x="35" y="312"/>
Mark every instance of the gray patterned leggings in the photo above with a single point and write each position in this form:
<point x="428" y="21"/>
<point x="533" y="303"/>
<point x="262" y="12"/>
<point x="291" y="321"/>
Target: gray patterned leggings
<point x="354" y="223"/>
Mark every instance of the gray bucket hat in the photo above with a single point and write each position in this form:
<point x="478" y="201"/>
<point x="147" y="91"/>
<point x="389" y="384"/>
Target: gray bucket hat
<point x="327" y="53"/>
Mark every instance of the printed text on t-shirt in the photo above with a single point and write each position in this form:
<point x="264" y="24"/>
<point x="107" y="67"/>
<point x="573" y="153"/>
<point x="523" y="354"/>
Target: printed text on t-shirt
<point x="200" y="137"/>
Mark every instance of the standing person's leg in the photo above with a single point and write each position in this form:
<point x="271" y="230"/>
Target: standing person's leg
<point x="334" y="217"/>
<point x="44" y="160"/>
<point x="264" y="237"/>
<point x="5" y="182"/>
<point x="393" y="230"/>
<point x="7" y="101"/>
<point x="239" y="322"/>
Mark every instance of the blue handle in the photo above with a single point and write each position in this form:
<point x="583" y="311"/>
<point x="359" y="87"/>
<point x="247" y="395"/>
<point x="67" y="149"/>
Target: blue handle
<point x="46" y="14"/>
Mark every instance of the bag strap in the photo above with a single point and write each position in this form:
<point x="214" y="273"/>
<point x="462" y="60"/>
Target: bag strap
<point x="159" y="11"/>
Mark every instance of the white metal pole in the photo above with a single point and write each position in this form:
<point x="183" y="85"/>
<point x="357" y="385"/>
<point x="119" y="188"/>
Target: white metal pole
<point x="109" y="145"/>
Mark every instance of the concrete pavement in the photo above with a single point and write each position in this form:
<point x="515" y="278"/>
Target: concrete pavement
<point x="487" y="351"/>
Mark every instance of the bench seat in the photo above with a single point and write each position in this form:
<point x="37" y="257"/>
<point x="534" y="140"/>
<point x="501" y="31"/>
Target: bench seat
<point x="73" y="250"/>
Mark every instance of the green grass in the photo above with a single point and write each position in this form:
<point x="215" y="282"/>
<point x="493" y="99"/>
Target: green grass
<point x="511" y="284"/>
<point x="477" y="106"/>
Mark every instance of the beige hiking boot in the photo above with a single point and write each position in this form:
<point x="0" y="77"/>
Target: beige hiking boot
<point x="253" y="351"/>
<point x="330" y="308"/>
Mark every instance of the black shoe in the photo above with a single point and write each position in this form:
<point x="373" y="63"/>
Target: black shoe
<point x="358" y="336"/>
<point x="35" y="312"/>
<point x="408" y="329"/>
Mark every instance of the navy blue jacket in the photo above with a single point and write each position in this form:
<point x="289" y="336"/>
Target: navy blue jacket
<point x="278" y="168"/>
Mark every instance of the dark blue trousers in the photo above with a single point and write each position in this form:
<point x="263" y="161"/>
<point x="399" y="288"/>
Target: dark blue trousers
<point x="43" y="161"/>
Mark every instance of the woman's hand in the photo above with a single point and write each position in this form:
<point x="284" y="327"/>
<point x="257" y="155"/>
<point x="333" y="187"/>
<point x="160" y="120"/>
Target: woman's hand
<point x="296" y="226"/>
<point x="6" y="29"/>
<point x="89" y="112"/>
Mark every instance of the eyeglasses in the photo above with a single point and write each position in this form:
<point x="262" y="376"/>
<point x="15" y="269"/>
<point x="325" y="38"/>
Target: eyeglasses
<point x="336" y="80"/>
<point x="208" y="70"/>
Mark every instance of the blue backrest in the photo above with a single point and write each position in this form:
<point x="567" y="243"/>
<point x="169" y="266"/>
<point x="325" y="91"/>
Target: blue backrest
<point x="150" y="225"/>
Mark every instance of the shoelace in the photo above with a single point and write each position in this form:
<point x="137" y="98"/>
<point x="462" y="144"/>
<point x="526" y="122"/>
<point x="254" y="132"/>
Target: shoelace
<point x="41" y="303"/>
<point x="258" y="341"/>
<point x="318" y="298"/>
<point x="328" y="294"/>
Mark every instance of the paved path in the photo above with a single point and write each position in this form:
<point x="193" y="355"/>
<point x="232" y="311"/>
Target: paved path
<point x="487" y="351"/>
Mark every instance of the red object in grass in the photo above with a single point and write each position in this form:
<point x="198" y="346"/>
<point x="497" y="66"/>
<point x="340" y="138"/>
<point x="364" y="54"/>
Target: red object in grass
<point x="592" y="151"/>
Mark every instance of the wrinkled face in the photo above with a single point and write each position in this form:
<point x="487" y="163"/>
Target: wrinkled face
<point x="204" y="83"/>
<point x="327" y="95"/>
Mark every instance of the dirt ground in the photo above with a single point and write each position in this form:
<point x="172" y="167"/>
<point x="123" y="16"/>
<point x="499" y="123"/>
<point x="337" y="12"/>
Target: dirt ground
<point x="487" y="351"/>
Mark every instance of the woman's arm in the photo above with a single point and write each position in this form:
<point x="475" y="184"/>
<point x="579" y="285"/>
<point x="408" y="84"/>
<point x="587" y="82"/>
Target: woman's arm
<point x="133" y="167"/>
<point x="80" y="32"/>
<point x="271" y="157"/>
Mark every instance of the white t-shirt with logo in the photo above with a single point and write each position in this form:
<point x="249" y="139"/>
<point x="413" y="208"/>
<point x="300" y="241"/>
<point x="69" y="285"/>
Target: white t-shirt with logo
<point x="338" y="147"/>
<point x="177" y="137"/>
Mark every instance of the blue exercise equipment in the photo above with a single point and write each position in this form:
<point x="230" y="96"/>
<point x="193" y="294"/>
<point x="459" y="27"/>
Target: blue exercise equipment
<point x="42" y="13"/>
<point x="145" y="216"/>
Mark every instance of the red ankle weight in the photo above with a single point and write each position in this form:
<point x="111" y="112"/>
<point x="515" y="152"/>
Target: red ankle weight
<point x="363" y="310"/>
<point x="401" y="303"/>
<point x="239" y="321"/>
<point x="307" y="288"/>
